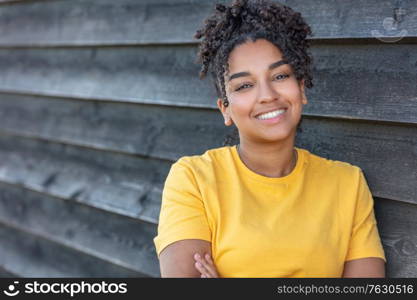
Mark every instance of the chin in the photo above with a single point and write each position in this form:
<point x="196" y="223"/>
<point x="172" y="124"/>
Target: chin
<point x="277" y="133"/>
<point x="276" y="137"/>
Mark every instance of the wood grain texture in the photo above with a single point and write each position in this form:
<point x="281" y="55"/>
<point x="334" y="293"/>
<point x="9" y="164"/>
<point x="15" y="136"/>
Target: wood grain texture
<point x="114" y="240"/>
<point x="148" y="130"/>
<point x="108" y="22"/>
<point x="397" y="223"/>
<point x="387" y="152"/>
<point x="372" y="82"/>
<point x="99" y="97"/>
<point x="130" y="186"/>
<point x="29" y="255"/>
<point x="384" y="152"/>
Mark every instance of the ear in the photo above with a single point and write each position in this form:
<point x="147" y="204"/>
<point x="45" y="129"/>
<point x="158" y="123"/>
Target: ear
<point x="224" y="110"/>
<point x="302" y="87"/>
<point x="221" y="107"/>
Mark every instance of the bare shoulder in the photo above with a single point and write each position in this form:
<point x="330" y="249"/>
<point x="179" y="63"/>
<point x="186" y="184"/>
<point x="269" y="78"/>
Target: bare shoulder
<point x="177" y="259"/>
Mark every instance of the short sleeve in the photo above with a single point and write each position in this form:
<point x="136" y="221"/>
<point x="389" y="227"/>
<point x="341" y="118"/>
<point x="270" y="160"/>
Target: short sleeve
<point x="365" y="240"/>
<point x="182" y="214"/>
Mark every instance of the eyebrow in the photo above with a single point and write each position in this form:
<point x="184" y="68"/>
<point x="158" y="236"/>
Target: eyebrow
<point x="271" y="66"/>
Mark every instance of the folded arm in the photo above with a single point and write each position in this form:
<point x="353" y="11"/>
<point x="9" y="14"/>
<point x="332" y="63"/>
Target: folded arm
<point x="373" y="267"/>
<point x="177" y="259"/>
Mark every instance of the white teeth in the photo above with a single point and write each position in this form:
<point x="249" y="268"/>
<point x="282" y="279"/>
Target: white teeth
<point x="271" y="114"/>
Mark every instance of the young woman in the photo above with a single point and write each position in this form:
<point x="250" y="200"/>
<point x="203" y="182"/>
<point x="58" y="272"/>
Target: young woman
<point x="264" y="208"/>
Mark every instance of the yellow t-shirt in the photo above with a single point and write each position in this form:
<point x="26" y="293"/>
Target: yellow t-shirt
<point x="305" y="224"/>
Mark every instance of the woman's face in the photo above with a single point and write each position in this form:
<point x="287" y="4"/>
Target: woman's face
<point x="256" y="83"/>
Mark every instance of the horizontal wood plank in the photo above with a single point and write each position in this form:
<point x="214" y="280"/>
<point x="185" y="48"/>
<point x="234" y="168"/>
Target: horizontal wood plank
<point x="127" y="185"/>
<point x="372" y="82"/>
<point x="108" y="22"/>
<point x="116" y="240"/>
<point x="148" y="130"/>
<point x="29" y="255"/>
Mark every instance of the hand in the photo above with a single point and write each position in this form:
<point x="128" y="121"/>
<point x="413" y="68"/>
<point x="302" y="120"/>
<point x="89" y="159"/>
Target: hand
<point x="205" y="266"/>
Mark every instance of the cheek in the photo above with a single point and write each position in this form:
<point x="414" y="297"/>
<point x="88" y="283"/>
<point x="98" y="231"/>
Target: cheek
<point x="295" y="96"/>
<point x="242" y="105"/>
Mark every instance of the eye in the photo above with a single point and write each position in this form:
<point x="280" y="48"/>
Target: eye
<point x="243" y="86"/>
<point x="281" y="76"/>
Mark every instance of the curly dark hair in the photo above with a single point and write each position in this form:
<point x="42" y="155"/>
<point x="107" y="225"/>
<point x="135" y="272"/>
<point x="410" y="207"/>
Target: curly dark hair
<point x="243" y="20"/>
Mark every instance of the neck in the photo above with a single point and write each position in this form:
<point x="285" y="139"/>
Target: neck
<point x="273" y="160"/>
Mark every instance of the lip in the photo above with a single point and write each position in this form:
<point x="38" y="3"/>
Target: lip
<point x="273" y="120"/>
<point x="267" y="111"/>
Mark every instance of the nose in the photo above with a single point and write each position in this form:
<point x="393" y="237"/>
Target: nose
<point x="266" y="92"/>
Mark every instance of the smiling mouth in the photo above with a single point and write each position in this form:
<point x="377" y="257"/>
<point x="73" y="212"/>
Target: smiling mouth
<point x="271" y="115"/>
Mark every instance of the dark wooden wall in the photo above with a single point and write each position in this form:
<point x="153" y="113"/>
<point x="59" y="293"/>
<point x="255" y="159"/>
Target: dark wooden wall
<point x="99" y="97"/>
